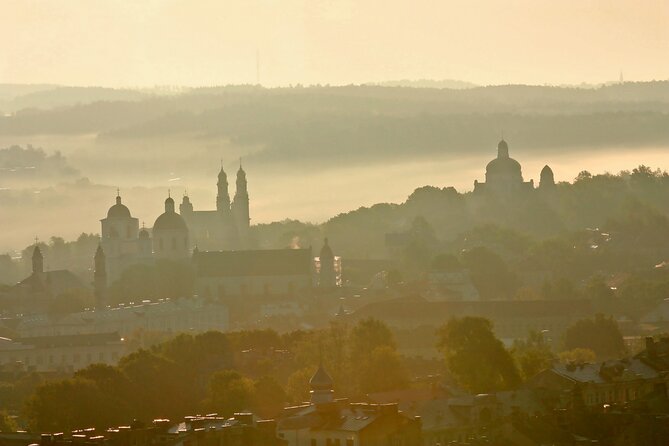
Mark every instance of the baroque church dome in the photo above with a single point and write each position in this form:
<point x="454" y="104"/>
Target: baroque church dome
<point x="503" y="164"/>
<point x="119" y="210"/>
<point x="170" y="220"/>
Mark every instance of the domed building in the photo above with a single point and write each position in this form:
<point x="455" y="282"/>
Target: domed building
<point x="170" y="235"/>
<point x="547" y="179"/>
<point x="119" y="238"/>
<point x="503" y="174"/>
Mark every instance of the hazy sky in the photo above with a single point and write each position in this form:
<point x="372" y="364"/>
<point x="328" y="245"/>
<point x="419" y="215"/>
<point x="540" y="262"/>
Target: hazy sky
<point x="206" y="42"/>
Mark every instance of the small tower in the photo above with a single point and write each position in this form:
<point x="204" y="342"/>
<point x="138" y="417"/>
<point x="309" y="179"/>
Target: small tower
<point x="322" y="387"/>
<point x="546" y="179"/>
<point x="186" y="207"/>
<point x="100" y="278"/>
<point x="240" y="207"/>
<point x="327" y="277"/>
<point x="38" y="261"/>
<point x="144" y="244"/>
<point x="223" y="197"/>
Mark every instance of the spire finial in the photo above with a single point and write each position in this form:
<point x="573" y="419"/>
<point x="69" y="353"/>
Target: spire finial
<point x="118" y="192"/>
<point x="240" y="162"/>
<point x="36" y="240"/>
<point x="169" y="193"/>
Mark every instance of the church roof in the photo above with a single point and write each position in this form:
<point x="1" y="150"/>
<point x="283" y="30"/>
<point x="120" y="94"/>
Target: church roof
<point x="57" y="281"/>
<point x="271" y="262"/>
<point x="169" y="221"/>
<point x="119" y="210"/>
<point x="503" y="165"/>
<point x="321" y="380"/>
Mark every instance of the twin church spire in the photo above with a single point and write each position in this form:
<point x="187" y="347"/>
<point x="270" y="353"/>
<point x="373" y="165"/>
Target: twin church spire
<point x="241" y="199"/>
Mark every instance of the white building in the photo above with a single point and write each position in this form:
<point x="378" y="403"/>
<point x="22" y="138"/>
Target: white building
<point x="60" y="353"/>
<point x="191" y="315"/>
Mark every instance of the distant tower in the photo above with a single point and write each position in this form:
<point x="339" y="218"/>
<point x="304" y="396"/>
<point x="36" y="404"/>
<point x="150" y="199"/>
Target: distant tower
<point x="144" y="245"/>
<point x="223" y="197"/>
<point x="100" y="278"/>
<point x="622" y="79"/>
<point x="186" y="207"/>
<point x="38" y="261"/>
<point x="240" y="207"/>
<point x="322" y="387"/>
<point x="546" y="180"/>
<point x="327" y="276"/>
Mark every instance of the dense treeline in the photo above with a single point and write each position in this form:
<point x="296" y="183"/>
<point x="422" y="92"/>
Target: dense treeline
<point x="263" y="371"/>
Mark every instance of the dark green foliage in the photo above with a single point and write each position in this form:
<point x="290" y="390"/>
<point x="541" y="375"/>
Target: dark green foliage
<point x="600" y="334"/>
<point x="490" y="274"/>
<point x="475" y="357"/>
<point x="532" y="354"/>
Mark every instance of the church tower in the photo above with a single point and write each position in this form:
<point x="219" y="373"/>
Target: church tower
<point x="223" y="197"/>
<point x="240" y="208"/>
<point x="38" y="261"/>
<point x="322" y="388"/>
<point x="100" y="278"/>
<point x="327" y="275"/>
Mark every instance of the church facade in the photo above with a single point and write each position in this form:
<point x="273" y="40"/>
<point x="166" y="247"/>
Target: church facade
<point x="227" y="226"/>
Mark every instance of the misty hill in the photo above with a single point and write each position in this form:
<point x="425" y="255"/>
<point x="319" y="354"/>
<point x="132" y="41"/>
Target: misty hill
<point x="321" y="125"/>
<point x="427" y="83"/>
<point x="20" y="97"/>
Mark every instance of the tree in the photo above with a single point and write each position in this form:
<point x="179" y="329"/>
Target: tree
<point x="297" y="388"/>
<point x="384" y="371"/>
<point x="229" y="392"/>
<point x="475" y="357"/>
<point x="490" y="274"/>
<point x="270" y="398"/>
<point x="366" y="336"/>
<point x="71" y="404"/>
<point x="532" y="354"/>
<point x="7" y="423"/>
<point x="600" y="334"/>
<point x="597" y="289"/>
<point x="577" y="356"/>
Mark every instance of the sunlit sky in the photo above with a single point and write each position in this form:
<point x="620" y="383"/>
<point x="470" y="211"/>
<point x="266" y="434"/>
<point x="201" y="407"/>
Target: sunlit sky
<point x="213" y="42"/>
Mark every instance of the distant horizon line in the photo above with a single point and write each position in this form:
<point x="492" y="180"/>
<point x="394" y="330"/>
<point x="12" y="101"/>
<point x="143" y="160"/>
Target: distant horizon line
<point x="465" y="85"/>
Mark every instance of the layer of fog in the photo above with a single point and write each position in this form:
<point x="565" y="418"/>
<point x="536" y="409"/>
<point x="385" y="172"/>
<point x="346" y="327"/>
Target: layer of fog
<point x="70" y="206"/>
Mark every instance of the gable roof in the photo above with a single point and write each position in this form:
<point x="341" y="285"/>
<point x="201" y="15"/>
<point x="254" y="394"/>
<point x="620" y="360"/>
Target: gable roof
<point x="270" y="262"/>
<point x="55" y="281"/>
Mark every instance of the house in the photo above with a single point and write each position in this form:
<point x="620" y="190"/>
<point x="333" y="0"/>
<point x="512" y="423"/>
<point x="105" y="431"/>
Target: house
<point x="325" y="421"/>
<point x="595" y="385"/>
